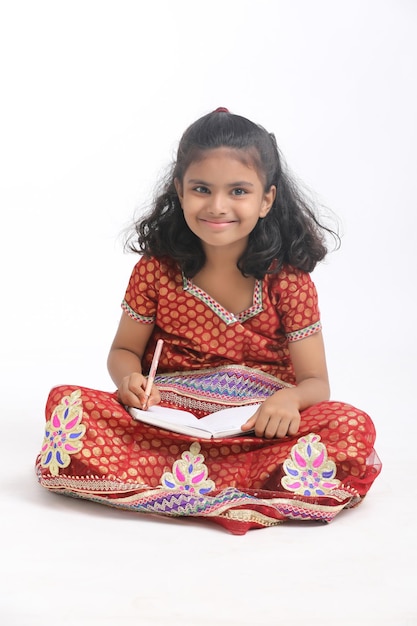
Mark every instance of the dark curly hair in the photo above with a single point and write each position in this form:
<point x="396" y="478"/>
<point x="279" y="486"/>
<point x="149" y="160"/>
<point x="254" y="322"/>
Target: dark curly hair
<point x="289" y="234"/>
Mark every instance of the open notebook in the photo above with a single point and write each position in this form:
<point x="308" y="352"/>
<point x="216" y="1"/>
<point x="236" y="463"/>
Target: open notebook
<point x="223" y="423"/>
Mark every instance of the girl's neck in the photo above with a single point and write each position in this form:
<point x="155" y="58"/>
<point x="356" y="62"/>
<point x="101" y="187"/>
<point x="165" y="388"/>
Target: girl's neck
<point x="224" y="258"/>
<point x="221" y="279"/>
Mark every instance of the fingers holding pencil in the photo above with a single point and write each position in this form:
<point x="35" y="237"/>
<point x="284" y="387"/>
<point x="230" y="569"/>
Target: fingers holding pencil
<point x="138" y="391"/>
<point x="150" y="396"/>
<point x="132" y="392"/>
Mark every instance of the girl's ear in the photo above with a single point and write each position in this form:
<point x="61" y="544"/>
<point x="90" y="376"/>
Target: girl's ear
<point x="268" y="201"/>
<point x="178" y="189"/>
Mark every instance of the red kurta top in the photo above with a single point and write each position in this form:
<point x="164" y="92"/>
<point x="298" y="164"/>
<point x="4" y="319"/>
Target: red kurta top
<point x="199" y="333"/>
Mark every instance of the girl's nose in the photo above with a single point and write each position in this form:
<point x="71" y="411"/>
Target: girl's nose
<point x="217" y="204"/>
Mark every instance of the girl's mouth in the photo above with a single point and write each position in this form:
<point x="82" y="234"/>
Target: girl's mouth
<point x="217" y="224"/>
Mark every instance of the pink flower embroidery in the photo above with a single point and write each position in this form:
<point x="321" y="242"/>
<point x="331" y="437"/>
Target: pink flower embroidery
<point x="309" y="472"/>
<point x="189" y="473"/>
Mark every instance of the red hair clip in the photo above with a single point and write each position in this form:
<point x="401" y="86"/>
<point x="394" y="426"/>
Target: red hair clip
<point x="222" y="110"/>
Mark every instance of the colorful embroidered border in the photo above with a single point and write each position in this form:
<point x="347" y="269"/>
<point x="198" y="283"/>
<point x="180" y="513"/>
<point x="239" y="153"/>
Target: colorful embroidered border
<point x="304" y="332"/>
<point x="230" y="503"/>
<point x="139" y="318"/>
<point x="226" y="316"/>
<point x="235" y="385"/>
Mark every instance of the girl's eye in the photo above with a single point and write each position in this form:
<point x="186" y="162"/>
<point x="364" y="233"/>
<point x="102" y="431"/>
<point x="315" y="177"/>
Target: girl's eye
<point x="201" y="189"/>
<point x="238" y="191"/>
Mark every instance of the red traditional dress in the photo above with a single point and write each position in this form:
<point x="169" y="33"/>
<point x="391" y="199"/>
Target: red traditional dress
<point x="211" y="359"/>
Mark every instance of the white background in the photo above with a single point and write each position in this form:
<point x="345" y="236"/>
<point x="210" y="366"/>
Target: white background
<point x="94" y="98"/>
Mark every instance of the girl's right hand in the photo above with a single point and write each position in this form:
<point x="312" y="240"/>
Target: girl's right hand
<point x="131" y="391"/>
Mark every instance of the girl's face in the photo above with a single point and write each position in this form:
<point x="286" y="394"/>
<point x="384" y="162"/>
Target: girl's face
<point x="223" y="198"/>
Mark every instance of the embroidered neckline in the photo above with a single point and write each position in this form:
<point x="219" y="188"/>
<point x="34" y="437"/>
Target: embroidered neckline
<point x="218" y="309"/>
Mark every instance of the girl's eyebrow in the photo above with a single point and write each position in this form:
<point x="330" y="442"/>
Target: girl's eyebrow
<point x="239" y="183"/>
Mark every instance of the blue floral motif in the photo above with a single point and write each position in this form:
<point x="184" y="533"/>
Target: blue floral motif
<point x="63" y="433"/>
<point x="308" y="471"/>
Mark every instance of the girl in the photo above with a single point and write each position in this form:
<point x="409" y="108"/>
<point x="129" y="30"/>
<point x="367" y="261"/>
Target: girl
<point x="224" y="279"/>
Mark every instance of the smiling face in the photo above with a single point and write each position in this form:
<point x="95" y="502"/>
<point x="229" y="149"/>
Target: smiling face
<point x="223" y="197"/>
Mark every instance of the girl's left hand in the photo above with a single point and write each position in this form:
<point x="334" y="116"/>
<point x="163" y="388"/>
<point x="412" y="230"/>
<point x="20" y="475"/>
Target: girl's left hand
<point x="277" y="417"/>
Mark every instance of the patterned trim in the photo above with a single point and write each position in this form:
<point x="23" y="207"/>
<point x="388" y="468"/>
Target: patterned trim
<point x="253" y="517"/>
<point x="190" y="404"/>
<point x="230" y="503"/>
<point x="304" y="332"/>
<point x="227" y="385"/>
<point x="296" y="510"/>
<point x="95" y="485"/>
<point x="135" y="316"/>
<point x="227" y="317"/>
